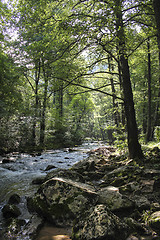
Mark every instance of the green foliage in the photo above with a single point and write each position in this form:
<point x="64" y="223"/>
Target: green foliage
<point x="67" y="84"/>
<point x="157" y="133"/>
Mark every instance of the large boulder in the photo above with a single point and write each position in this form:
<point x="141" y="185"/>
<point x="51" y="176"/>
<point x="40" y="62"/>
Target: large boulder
<point x="154" y="221"/>
<point x="65" y="173"/>
<point x="99" y="223"/>
<point x="111" y="197"/>
<point x="62" y="200"/>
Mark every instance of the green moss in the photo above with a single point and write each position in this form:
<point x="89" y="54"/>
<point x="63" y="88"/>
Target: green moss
<point x="59" y="210"/>
<point x="42" y="208"/>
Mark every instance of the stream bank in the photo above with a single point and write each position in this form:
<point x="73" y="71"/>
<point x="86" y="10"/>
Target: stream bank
<point x="104" y="196"/>
<point x="18" y="172"/>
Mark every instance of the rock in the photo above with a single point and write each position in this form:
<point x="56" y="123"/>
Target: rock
<point x="155" y="206"/>
<point x="102" y="197"/>
<point x="132" y="238"/>
<point x="38" y="180"/>
<point x="31" y="229"/>
<point x="146" y="186"/>
<point x="14" y="199"/>
<point x="141" y="202"/>
<point x="10" y="210"/>
<point x="13" y="228"/>
<point x="19" y="229"/>
<point x="88" y="165"/>
<point x="125" y="171"/>
<point x="8" y="160"/>
<point x="136" y="226"/>
<point x="61" y="200"/>
<point x="99" y="223"/>
<point x="65" y="173"/>
<point x="129" y="188"/>
<point x="49" y="167"/>
<point x="151" y="173"/>
<point x="71" y="150"/>
<point x="154" y="221"/>
<point x="156" y="186"/>
<point x="113" y="199"/>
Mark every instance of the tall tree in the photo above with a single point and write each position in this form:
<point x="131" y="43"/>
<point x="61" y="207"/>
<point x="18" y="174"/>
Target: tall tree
<point x="133" y="143"/>
<point x="156" y="7"/>
<point x="149" y="127"/>
<point x="104" y="29"/>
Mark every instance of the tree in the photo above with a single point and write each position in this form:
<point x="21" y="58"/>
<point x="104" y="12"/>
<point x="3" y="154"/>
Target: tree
<point x="156" y="7"/>
<point x="101" y="34"/>
<point x="133" y="143"/>
<point x="74" y="49"/>
<point x="149" y="127"/>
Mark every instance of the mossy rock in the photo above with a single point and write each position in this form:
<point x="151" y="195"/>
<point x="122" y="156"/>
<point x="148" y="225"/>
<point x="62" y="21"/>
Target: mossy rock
<point x="10" y="210"/>
<point x="154" y="221"/>
<point x="62" y="200"/>
<point x="99" y="223"/>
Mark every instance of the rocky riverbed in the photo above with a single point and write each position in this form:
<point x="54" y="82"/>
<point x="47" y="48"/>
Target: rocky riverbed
<point x="104" y="197"/>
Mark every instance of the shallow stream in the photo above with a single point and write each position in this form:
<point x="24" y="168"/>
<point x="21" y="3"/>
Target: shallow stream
<point x="17" y="176"/>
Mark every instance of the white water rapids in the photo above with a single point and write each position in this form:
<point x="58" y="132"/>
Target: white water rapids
<point x="17" y="176"/>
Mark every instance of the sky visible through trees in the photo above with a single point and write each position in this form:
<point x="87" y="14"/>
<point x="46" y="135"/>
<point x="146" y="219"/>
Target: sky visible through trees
<point x="72" y="70"/>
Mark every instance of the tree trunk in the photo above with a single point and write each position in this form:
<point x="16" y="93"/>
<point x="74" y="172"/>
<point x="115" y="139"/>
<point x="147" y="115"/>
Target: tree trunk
<point x="134" y="147"/>
<point x="43" y="115"/>
<point x="116" y="116"/>
<point x="37" y="76"/>
<point x="59" y="107"/>
<point x="156" y="6"/>
<point x="149" y="128"/>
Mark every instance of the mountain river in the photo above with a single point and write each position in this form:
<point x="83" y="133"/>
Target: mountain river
<point x="17" y="176"/>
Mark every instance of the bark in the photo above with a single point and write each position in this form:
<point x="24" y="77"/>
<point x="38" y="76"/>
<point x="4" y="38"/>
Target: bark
<point x="37" y="76"/>
<point x="156" y="7"/>
<point x="156" y="116"/>
<point x="116" y="117"/>
<point x="149" y="128"/>
<point x="123" y="120"/>
<point x="134" y="147"/>
<point x="43" y="114"/>
<point x="59" y="107"/>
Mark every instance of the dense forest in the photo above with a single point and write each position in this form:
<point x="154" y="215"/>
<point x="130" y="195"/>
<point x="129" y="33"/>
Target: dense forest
<point x="77" y="70"/>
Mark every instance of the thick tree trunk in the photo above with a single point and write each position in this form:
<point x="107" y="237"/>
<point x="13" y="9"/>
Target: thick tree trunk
<point x="156" y="6"/>
<point x="149" y="128"/>
<point x="133" y="144"/>
<point x="123" y="120"/>
<point x="116" y="116"/>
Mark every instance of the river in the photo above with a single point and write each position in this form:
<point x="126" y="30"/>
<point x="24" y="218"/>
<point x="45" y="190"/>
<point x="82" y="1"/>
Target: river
<point x="17" y="176"/>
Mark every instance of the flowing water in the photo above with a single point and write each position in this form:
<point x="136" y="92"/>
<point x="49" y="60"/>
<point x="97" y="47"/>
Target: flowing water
<point x="16" y="177"/>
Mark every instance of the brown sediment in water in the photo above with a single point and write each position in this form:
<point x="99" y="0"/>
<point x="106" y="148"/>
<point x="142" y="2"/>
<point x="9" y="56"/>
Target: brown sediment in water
<point x="54" y="233"/>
